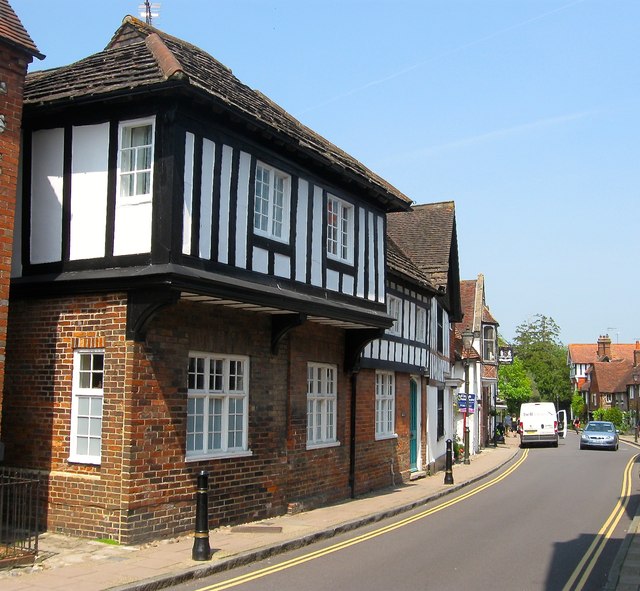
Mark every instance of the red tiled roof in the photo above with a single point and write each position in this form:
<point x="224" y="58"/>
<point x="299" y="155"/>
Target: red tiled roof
<point x="467" y="301"/>
<point x="608" y="377"/>
<point x="588" y="353"/>
<point x="399" y="263"/>
<point x="13" y="32"/>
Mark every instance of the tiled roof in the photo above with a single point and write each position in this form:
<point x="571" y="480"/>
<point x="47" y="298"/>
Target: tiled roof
<point x="397" y="261"/>
<point x="588" y="353"/>
<point x="427" y="234"/>
<point x="608" y="377"/>
<point x="13" y="32"/>
<point x="140" y="58"/>
<point x="467" y="300"/>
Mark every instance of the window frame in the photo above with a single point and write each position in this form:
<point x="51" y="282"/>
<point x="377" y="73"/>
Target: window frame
<point x="440" y="328"/>
<point x="340" y="236"/>
<point x="421" y="324"/>
<point x="394" y="309"/>
<point x="322" y="401"/>
<point x="122" y="127"/>
<point x="489" y="343"/>
<point x="385" y="404"/>
<point x="80" y="393"/>
<point x="218" y="400"/>
<point x="274" y="174"/>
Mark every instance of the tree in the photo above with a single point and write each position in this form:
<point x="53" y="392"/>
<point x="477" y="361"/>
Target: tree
<point x="537" y="344"/>
<point x="578" y="406"/>
<point x="514" y="385"/>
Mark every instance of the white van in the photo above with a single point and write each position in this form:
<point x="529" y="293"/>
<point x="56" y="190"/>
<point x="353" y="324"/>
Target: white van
<point x="538" y="423"/>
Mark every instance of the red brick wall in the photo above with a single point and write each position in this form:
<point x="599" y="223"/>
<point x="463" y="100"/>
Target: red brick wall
<point x="317" y="476"/>
<point x="144" y="487"/>
<point x="13" y="69"/>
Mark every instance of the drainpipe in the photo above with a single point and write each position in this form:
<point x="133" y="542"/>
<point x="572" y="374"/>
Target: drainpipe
<point x="352" y="429"/>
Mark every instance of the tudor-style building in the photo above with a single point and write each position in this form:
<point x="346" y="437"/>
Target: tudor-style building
<point x="427" y="236"/>
<point x="195" y="276"/>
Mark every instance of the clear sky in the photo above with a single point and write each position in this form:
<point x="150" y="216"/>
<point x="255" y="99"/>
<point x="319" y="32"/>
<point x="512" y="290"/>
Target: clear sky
<point x="526" y="113"/>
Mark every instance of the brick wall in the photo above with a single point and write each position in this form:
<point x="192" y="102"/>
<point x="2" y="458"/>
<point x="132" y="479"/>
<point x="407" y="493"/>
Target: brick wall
<point x="144" y="488"/>
<point x="13" y="69"/>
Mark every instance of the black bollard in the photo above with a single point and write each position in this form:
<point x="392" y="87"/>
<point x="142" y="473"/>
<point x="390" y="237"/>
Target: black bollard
<point x="448" y="467"/>
<point x="201" y="549"/>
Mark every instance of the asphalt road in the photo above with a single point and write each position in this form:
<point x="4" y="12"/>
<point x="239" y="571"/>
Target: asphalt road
<point x="553" y="521"/>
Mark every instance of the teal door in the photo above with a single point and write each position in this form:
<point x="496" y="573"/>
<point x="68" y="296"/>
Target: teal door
<point x="413" y="425"/>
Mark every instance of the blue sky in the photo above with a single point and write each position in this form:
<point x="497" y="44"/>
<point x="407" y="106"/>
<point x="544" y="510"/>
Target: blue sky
<point x="526" y="113"/>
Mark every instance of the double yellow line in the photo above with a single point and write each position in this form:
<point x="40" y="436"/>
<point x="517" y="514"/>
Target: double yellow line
<point x="362" y="538"/>
<point x="588" y="562"/>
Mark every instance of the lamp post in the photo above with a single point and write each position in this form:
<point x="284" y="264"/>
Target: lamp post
<point x="467" y="341"/>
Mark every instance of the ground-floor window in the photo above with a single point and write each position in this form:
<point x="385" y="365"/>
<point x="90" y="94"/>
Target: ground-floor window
<point x="86" y="406"/>
<point x="217" y="405"/>
<point x="321" y="404"/>
<point x="385" y="404"/>
<point x="440" y="431"/>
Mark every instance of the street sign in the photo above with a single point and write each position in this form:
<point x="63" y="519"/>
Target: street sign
<point x="462" y="402"/>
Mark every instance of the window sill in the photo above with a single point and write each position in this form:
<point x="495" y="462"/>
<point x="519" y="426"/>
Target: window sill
<point x="323" y="445"/>
<point x="384" y="436"/>
<point x="219" y="456"/>
<point x="84" y="460"/>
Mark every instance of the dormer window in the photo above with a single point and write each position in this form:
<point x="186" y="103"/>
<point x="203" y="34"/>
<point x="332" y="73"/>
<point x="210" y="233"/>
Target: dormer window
<point x="135" y="158"/>
<point x="271" y="205"/>
<point x="489" y="343"/>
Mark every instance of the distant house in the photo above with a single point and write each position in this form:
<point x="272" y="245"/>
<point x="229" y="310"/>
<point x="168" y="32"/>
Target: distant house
<point x="202" y="283"/>
<point x="601" y="372"/>
<point x="479" y="363"/>
<point x="17" y="51"/>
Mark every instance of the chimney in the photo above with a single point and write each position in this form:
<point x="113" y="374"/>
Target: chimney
<point x="636" y="355"/>
<point x="604" y="347"/>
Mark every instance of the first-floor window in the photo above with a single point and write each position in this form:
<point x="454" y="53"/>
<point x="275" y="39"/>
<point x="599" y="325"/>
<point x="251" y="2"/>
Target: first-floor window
<point x="321" y="404"/>
<point x="385" y="403"/>
<point x="217" y="405"/>
<point x="440" y="426"/>
<point x="86" y="406"/>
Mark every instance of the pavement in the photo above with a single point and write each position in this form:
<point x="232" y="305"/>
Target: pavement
<point x="89" y="565"/>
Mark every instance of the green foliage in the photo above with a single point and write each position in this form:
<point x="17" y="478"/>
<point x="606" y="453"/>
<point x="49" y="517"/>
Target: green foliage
<point x="514" y="385"/>
<point x="615" y="415"/>
<point x="544" y="358"/>
<point x="578" y="406"/>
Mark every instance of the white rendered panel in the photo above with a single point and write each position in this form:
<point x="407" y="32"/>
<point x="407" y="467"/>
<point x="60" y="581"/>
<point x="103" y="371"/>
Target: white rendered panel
<point x="362" y="260"/>
<point x="372" y="258"/>
<point x="187" y="198"/>
<point x="333" y="280"/>
<point x="206" y="197"/>
<point x="89" y="166"/>
<point x="348" y="284"/>
<point x="381" y="259"/>
<point x="317" y="247"/>
<point x="260" y="262"/>
<point x="225" y="197"/>
<point x="282" y="266"/>
<point x="46" y="195"/>
<point x="301" y="231"/>
<point x="242" y="213"/>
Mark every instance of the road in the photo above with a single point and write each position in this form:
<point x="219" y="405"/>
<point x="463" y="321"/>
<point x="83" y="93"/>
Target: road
<point x="550" y="521"/>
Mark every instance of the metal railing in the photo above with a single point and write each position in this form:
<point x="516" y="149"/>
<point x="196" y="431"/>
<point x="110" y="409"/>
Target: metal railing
<point x="19" y="508"/>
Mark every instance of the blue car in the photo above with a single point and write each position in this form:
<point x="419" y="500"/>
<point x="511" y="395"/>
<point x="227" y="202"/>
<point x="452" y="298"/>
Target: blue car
<point x="599" y="434"/>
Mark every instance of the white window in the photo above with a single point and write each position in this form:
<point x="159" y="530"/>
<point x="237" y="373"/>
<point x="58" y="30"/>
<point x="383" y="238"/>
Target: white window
<point x="321" y="405"/>
<point x="271" y="206"/>
<point x="339" y="229"/>
<point x="394" y="306"/>
<point x="421" y="325"/>
<point x="86" y="406"/>
<point x="385" y="404"/>
<point x="135" y="158"/>
<point x="489" y="343"/>
<point x="217" y="405"/>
